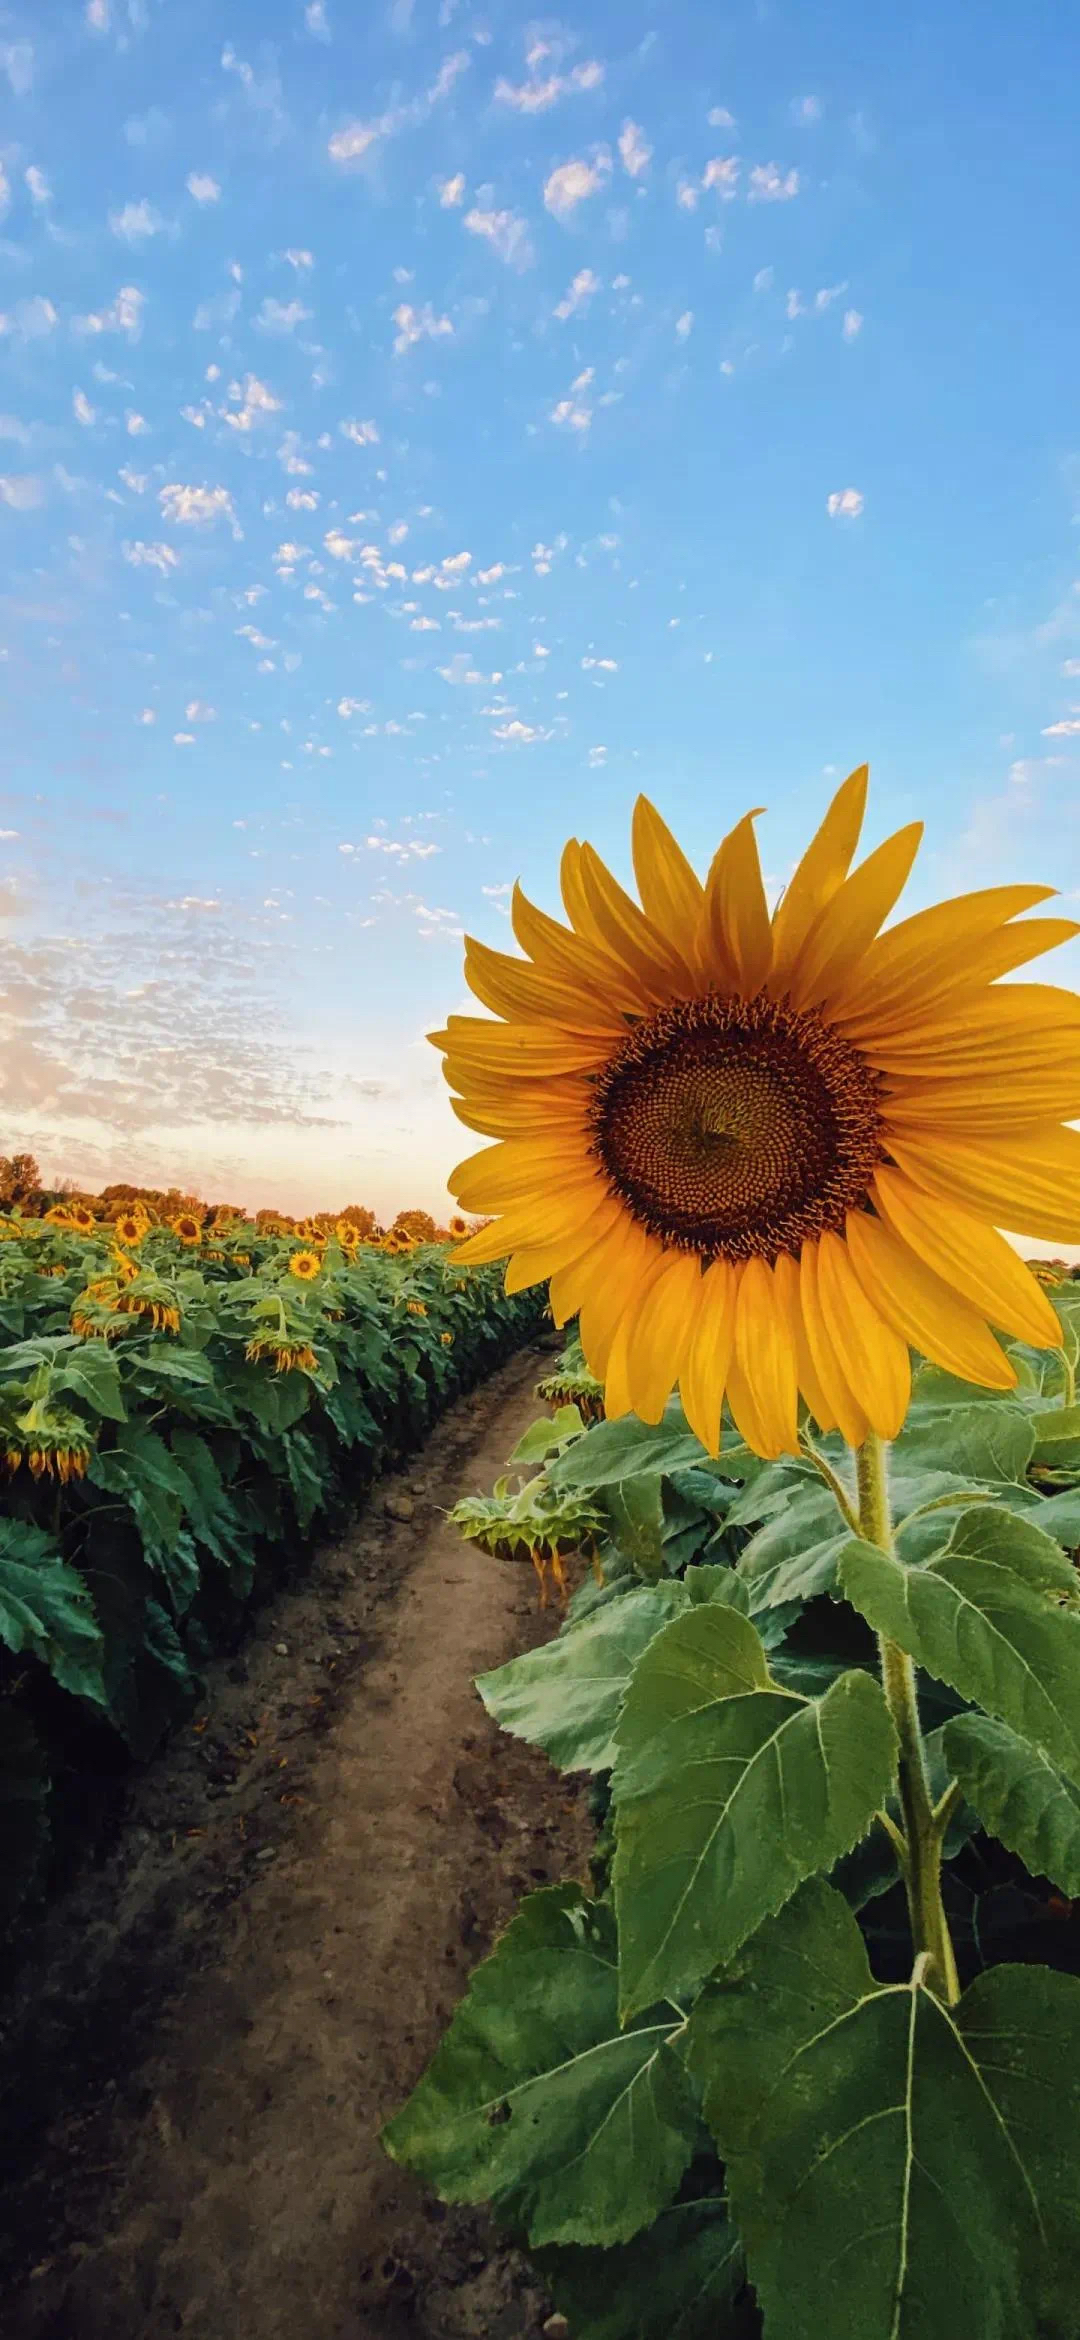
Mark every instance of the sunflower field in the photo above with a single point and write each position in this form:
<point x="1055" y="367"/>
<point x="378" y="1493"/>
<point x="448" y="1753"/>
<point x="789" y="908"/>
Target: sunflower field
<point x="180" y="1405"/>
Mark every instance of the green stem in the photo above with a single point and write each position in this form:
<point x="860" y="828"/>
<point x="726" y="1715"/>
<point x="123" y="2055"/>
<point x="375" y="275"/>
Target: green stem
<point x="843" y="1499"/>
<point x="1068" y="1379"/>
<point x="923" y="1833"/>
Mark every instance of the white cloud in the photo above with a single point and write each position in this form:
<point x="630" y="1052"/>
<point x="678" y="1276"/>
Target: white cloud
<point x="456" y="564"/>
<point x="418" y="325"/>
<point x="806" y="110"/>
<point x="197" y="711"/>
<point x="535" y="96"/>
<point x="720" y="119"/>
<point x="362" y="434"/>
<point x="187" y="739"/>
<point x="97" y="15"/>
<point x="315" y="20"/>
<point x="684" y="325"/>
<point x="584" y="285"/>
<point x="686" y="195"/>
<point x="769" y="184"/>
<point x="597" y="756"/>
<point x="146" y="715"/>
<point x="424" y="625"/>
<point x="82" y="409"/>
<point x="845" y="504"/>
<point x="507" y="234"/>
<point x="31" y="319"/>
<point x="303" y="500"/>
<point x="340" y="548"/>
<point x="491" y="576"/>
<point x="603" y="665"/>
<point x="1068" y="728"/>
<point x="203" y="187"/>
<point x="21" y="491"/>
<point x="17" y="60"/>
<point x="136" y="425"/>
<point x="299" y="259"/>
<point x="722" y="172"/>
<point x="136" y="222"/>
<point x="452" y="191"/>
<point x="357" y="138"/>
<point x="151" y="556"/>
<point x="195" y="507"/>
<point x="40" y="190"/>
<point x="572" y="182"/>
<point x="250" y="398"/>
<point x="1071" y="666"/>
<point x="634" y="148"/>
<point x="281" y="316"/>
<point x="517" y="732"/>
<point x="123" y="315"/>
<point x="852" y="324"/>
<point x="347" y="707"/>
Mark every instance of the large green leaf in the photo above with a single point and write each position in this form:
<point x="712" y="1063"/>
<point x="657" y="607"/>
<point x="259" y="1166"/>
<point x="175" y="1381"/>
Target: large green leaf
<point x="140" y="1467"/>
<point x="1057" y="1436"/>
<point x="898" y="2170"/>
<point x="565" y="1696"/>
<point x="537" y="2099"/>
<point x="91" y="1372"/>
<point x="680" y="2280"/>
<point x="611" y="1452"/>
<point x="636" y="1513"/>
<point x="987" y="1615"/>
<point x="46" y="1610"/>
<point x="728" y="1792"/>
<point x="1020" y="1796"/>
<point x="793" y="1555"/>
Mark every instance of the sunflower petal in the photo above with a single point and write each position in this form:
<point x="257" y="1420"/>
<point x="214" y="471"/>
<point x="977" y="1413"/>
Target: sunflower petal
<point x="594" y="1262"/>
<point x="569" y="957"/>
<point x="971" y="1257"/>
<point x="631" y="935"/>
<point x="712" y="1340"/>
<point x="786" y="1281"/>
<point x="762" y="1387"/>
<point x="923" y="1309"/>
<point x="609" y="1281"/>
<point x="1027" y="1181"/>
<point x="617" y="1378"/>
<point x="933" y="945"/>
<point x="820" y="873"/>
<point x="1006" y="1027"/>
<point x="843" y="931"/>
<point x="984" y="1103"/>
<point x="662" y="1333"/>
<point x="872" y="1356"/>
<point x="525" y="1051"/>
<point x="518" y="991"/>
<point x="514" y="1170"/>
<point x="530" y="1111"/>
<point x="961" y="975"/>
<point x="736" y="932"/>
<point x="672" y="894"/>
<point x="847" y="1413"/>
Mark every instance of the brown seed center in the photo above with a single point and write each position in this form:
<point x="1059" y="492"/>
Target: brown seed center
<point x="737" y="1128"/>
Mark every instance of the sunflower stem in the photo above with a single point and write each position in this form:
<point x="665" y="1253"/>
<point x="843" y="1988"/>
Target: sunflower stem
<point x="850" y="1515"/>
<point x="922" y="1832"/>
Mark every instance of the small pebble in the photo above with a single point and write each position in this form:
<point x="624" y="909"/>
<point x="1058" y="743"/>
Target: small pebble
<point x="268" y="1853"/>
<point x="556" y="2328"/>
<point x="282" y="1648"/>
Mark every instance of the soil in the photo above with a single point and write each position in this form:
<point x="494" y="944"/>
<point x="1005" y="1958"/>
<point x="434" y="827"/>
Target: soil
<point x="220" y="2013"/>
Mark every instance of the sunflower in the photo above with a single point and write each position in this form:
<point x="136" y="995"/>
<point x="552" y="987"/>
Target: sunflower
<point x="130" y="1227"/>
<point x="447" y="1340"/>
<point x="58" y="1216"/>
<point x="458" y="1226"/>
<point x="82" y="1218"/>
<point x="289" y="1356"/>
<point x="766" y="1155"/>
<point x="53" y="1442"/>
<point x="305" y="1265"/>
<point x="186" y="1228"/>
<point x="416" y="1307"/>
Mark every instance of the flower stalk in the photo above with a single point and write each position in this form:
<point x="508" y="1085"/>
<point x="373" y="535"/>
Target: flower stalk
<point x="924" y="1825"/>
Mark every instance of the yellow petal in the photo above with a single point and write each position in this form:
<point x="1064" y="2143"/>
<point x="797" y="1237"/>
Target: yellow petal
<point x="934" y="946"/>
<point x="569" y="956"/>
<point x="736" y="932"/>
<point x="789" y="1299"/>
<point x="631" y="935"/>
<point x="872" y="1356"/>
<point x="843" y="931"/>
<point x="532" y="1110"/>
<point x="610" y="1285"/>
<point x="522" y="1051"/>
<point x="672" y="894"/>
<point x="971" y="1257"/>
<point x="961" y="975"/>
<point x="712" y="1340"/>
<point x="1027" y="1182"/>
<point x="850" y="1419"/>
<point x="820" y="873"/>
<point x="618" y="1384"/>
<point x="1007" y="1027"/>
<point x="598" y="1264"/>
<point x="921" y="1308"/>
<point x="762" y="1385"/>
<point x="514" y="989"/>
<point x="515" y="1170"/>
<point x="576" y="902"/>
<point x="983" y="1103"/>
<point x="542" y="1220"/>
<point x="662" y="1333"/>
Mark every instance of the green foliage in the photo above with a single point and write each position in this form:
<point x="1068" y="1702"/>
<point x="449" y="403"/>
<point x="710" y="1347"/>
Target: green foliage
<point x="780" y="1794"/>
<point x="171" y="1464"/>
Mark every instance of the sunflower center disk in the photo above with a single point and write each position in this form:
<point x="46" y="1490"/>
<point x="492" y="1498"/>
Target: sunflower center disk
<point x="737" y="1128"/>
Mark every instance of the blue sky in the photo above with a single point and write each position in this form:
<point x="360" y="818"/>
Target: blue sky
<point x="426" y="426"/>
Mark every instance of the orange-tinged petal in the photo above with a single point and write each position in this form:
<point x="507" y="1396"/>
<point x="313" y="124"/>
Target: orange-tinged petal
<point x="1026" y="1181"/>
<point x="1007" y="1027"/>
<point x="618" y="1384"/>
<point x="661" y="1335"/>
<point x="961" y="975"/>
<point x="516" y="1169"/>
<point x="970" y="1257"/>
<point x="789" y="1299"/>
<point x="543" y="1219"/>
<point x="556" y="951"/>
<point x="985" y="1103"/>
<point x="609" y="1290"/>
<point x="872" y="1356"/>
<point x="518" y="991"/>
<point x="934" y="945"/>
<point x="712" y="1340"/>
<point x="921" y="1308"/>
<point x="576" y="902"/>
<point x="843" y="931"/>
<point x="631" y="935"/>
<point x="594" y="1265"/>
<point x="672" y="894"/>
<point x="820" y="873"/>
<point x="533" y="1110"/>
<point x="526" y="1051"/>
<point x="847" y="1413"/>
<point x="736" y="930"/>
<point x="762" y="1383"/>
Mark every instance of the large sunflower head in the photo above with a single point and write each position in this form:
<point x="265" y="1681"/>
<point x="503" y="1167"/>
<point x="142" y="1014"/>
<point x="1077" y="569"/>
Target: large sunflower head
<point x="764" y="1154"/>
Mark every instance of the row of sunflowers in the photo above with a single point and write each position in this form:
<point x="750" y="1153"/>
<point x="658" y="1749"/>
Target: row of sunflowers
<point x="180" y="1404"/>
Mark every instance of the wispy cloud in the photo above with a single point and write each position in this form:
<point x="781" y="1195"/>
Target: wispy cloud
<point x="634" y="149"/>
<point x="21" y="491"/>
<point x="535" y="95"/>
<point x="507" y="234"/>
<point x="581" y="290"/>
<point x="195" y="507"/>
<point x="151" y="556"/>
<point x="845" y="503"/>
<point x="769" y="184"/>
<point x="137" y="222"/>
<point x="572" y="183"/>
<point x="357" y="139"/>
<point x="203" y="187"/>
<point x="123" y="315"/>
<point x="281" y="316"/>
<point x="452" y="191"/>
<point x="415" y="325"/>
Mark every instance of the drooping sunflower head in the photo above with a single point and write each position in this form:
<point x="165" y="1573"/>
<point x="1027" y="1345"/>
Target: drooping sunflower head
<point x="305" y="1266"/>
<point x="766" y="1152"/>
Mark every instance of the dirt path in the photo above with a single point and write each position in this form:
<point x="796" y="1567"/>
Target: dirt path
<point x="259" y="1972"/>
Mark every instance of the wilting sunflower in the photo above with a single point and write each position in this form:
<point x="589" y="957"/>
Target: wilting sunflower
<point x="289" y="1356"/>
<point x="53" y="1442"/>
<point x="764" y="1154"/>
<point x="305" y="1265"/>
<point x="416" y="1307"/>
<point x="186" y="1228"/>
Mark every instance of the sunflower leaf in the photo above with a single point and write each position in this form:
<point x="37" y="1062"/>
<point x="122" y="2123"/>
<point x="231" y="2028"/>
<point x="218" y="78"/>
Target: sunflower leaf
<point x="565" y="1696"/>
<point x="46" y="1610"/>
<point x="636" y="1512"/>
<point x="942" y="2138"/>
<point x="988" y="1615"/>
<point x="679" y="2280"/>
<point x="1019" y="1795"/>
<point x="537" y="2100"/>
<point x="728" y="1792"/>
